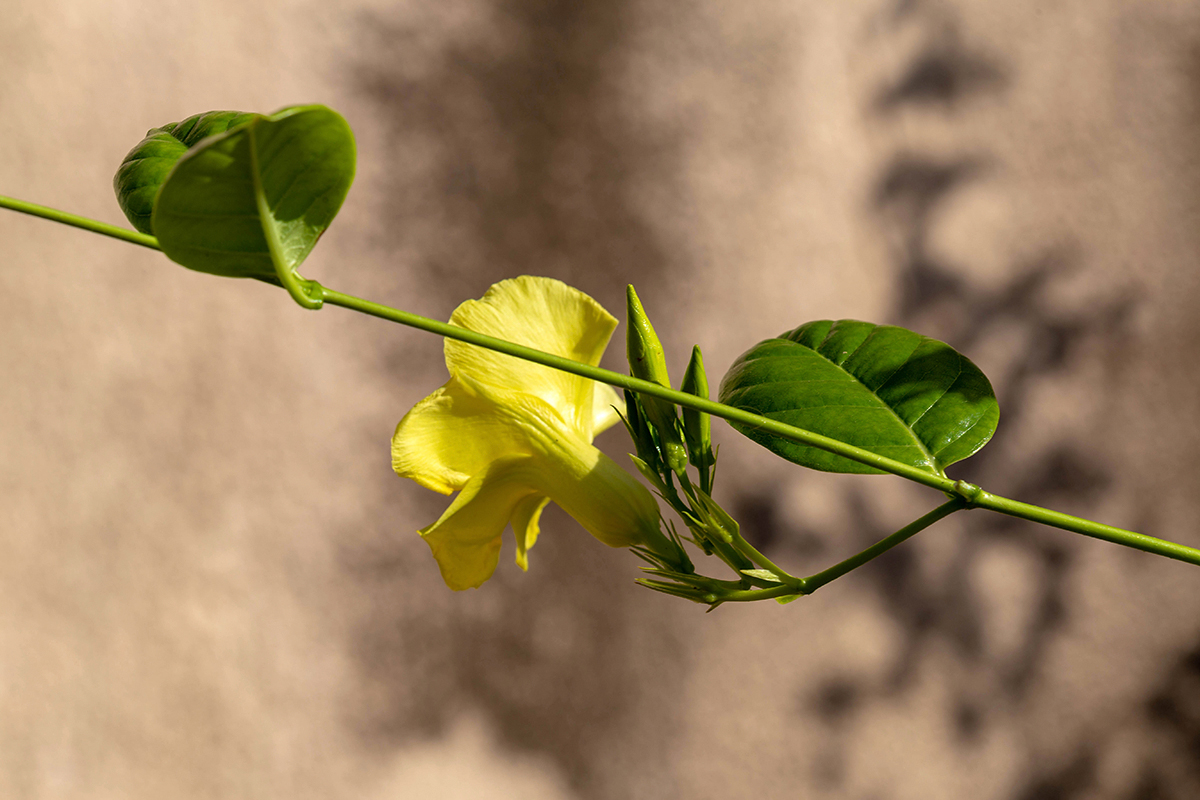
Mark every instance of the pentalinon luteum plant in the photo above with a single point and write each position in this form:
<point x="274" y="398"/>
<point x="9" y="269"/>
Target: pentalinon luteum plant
<point x="248" y="196"/>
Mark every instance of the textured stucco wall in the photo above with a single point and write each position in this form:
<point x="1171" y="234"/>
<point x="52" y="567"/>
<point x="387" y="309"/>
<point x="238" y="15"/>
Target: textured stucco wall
<point x="210" y="581"/>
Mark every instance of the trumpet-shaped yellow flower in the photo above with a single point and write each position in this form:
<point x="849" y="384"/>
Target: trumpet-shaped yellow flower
<point x="509" y="435"/>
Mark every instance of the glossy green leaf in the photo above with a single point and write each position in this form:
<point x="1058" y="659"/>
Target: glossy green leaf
<point x="249" y="200"/>
<point x="144" y="170"/>
<point x="878" y="387"/>
<point x="253" y="201"/>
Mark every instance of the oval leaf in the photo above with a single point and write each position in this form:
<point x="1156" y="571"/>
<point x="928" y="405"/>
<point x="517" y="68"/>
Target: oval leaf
<point x="252" y="202"/>
<point x="885" y="389"/>
<point x="146" y="167"/>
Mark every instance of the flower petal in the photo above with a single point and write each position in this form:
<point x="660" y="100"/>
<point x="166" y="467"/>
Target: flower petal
<point x="545" y="314"/>
<point x="604" y="408"/>
<point x="606" y="500"/>
<point x="466" y="540"/>
<point x="525" y="525"/>
<point x="451" y="435"/>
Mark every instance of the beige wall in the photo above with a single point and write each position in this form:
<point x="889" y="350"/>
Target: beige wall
<point x="210" y="581"/>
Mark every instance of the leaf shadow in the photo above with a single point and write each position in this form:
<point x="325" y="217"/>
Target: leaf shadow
<point x="511" y="155"/>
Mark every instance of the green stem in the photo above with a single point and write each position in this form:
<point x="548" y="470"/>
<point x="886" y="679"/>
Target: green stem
<point x="315" y="294"/>
<point x="287" y="276"/>
<point x="730" y="413"/>
<point x="750" y="595"/>
<point x="1056" y="519"/>
<point x="92" y="225"/>
<point x="727" y="551"/>
<point x="973" y="496"/>
<point x="751" y="552"/>
<point x="814" y="582"/>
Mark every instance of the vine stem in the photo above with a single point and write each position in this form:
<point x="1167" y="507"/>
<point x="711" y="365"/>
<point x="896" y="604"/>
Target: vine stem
<point x="95" y="226"/>
<point x="810" y="584"/>
<point x="759" y="560"/>
<point x="970" y="496"/>
<point x="747" y="418"/>
<point x="1056" y="519"/>
<point x="814" y="582"/>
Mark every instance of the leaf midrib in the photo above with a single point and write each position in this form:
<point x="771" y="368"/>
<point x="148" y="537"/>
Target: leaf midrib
<point x="930" y="459"/>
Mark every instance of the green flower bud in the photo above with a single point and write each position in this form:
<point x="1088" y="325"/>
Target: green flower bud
<point x="697" y="426"/>
<point x="646" y="361"/>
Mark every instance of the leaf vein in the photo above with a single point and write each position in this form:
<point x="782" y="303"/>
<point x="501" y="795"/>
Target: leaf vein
<point x="894" y="373"/>
<point x="919" y="443"/>
<point x="296" y="177"/>
<point x="201" y="215"/>
<point x="827" y="405"/>
<point x="976" y="424"/>
<point x="945" y="392"/>
<point x="223" y="250"/>
<point x="861" y="345"/>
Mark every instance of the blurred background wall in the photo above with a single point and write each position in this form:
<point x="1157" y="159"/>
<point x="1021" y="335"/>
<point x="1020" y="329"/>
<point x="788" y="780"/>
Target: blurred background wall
<point x="210" y="580"/>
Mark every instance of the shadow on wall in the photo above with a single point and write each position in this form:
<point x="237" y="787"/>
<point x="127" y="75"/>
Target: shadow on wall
<point x="936" y="297"/>
<point x="511" y="155"/>
<point x="528" y="158"/>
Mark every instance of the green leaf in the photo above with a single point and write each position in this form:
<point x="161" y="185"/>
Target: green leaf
<point x="878" y="387"/>
<point x="248" y="195"/>
<point x="144" y="170"/>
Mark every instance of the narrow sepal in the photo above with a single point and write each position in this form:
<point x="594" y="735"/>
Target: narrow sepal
<point x="639" y="431"/>
<point x="674" y="589"/>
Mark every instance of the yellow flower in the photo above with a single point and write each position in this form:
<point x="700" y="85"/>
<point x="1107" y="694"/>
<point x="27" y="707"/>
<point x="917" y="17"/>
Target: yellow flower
<point x="509" y="435"/>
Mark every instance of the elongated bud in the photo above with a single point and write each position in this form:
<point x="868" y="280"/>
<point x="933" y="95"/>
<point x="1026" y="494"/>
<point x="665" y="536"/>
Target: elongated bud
<point x="646" y="361"/>
<point x="645" y="352"/>
<point x="697" y="426"/>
